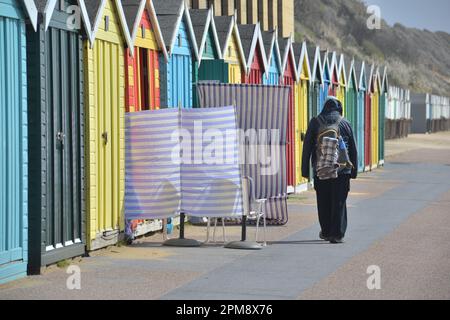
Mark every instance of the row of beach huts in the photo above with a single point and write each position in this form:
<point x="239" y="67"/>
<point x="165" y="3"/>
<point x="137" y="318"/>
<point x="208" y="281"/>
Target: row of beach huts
<point x="71" y="69"/>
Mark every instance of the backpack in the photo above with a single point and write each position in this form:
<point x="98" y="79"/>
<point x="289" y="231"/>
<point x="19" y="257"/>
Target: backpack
<point x="326" y="132"/>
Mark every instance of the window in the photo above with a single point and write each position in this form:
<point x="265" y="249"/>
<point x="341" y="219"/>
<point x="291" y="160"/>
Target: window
<point x="106" y="23"/>
<point x="144" y="85"/>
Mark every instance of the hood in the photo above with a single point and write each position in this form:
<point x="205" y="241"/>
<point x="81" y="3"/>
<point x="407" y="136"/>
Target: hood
<point x="332" y="106"/>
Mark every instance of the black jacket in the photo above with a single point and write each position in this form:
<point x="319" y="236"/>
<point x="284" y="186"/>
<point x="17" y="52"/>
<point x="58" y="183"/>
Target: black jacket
<point x="332" y="110"/>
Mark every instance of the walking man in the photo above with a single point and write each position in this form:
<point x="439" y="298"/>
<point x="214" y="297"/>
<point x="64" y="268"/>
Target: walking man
<point x="330" y="145"/>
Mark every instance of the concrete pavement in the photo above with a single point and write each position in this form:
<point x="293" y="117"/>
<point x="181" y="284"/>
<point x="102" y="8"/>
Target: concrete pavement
<point x="398" y="220"/>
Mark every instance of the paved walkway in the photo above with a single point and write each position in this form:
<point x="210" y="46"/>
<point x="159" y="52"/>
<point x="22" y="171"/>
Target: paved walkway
<point x="398" y="221"/>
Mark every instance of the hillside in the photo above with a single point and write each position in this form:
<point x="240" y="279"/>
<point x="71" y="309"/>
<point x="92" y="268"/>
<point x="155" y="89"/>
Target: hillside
<point x="417" y="59"/>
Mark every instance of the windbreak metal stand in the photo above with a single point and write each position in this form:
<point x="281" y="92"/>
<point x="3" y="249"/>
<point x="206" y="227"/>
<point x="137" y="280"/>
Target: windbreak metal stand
<point x="181" y="241"/>
<point x="244" y="244"/>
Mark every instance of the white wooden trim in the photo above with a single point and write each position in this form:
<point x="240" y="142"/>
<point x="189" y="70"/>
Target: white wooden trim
<point x="156" y="28"/>
<point x="32" y="12"/>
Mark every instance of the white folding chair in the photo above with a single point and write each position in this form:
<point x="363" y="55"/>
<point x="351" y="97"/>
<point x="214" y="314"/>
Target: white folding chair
<point x="257" y="208"/>
<point x="220" y="183"/>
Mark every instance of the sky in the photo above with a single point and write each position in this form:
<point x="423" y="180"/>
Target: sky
<point x="433" y="15"/>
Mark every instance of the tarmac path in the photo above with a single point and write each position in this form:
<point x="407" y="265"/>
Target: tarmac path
<point x="399" y="222"/>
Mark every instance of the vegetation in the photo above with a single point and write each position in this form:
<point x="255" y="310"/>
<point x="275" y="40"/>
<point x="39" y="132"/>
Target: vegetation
<point x="416" y="59"/>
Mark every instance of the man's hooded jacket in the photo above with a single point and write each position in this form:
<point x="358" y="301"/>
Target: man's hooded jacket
<point x="331" y="113"/>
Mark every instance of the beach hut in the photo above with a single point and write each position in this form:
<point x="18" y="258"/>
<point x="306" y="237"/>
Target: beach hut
<point x="371" y="143"/>
<point x="368" y="120"/>
<point x="232" y="51"/>
<point x="104" y="77"/>
<point x="341" y="92"/>
<point x="142" y="69"/>
<point x="14" y="15"/>
<point x="420" y="111"/>
<point x="289" y="76"/>
<point x="272" y="76"/>
<point x="384" y="94"/>
<point x="254" y="53"/>
<point x="301" y="103"/>
<point x="142" y="58"/>
<point x="326" y="75"/>
<point x="376" y="89"/>
<point x="360" y="70"/>
<point x="210" y="65"/>
<point x="316" y="81"/>
<point x="178" y="77"/>
<point x="351" y="94"/>
<point x="56" y="133"/>
<point x="334" y="74"/>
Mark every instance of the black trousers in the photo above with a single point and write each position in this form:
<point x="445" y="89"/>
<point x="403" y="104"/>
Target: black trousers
<point x="332" y="205"/>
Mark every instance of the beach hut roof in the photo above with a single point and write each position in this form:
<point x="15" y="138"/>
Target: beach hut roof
<point x="170" y="13"/>
<point x="360" y="70"/>
<point x="288" y="53"/>
<point x="325" y="63"/>
<point x="226" y="26"/>
<point x="342" y="71"/>
<point x="372" y="77"/>
<point x="250" y="35"/>
<point x="133" y="11"/>
<point x="333" y="63"/>
<point x="378" y="76"/>
<point x="350" y="63"/>
<point x="385" y="81"/>
<point x="270" y="40"/>
<point x="301" y="54"/>
<point x="315" y="62"/>
<point x="202" y="20"/>
<point x="91" y="12"/>
<point x="32" y="12"/>
<point x="45" y="8"/>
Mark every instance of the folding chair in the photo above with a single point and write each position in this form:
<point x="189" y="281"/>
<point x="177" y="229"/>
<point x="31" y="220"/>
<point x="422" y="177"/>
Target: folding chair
<point x="256" y="208"/>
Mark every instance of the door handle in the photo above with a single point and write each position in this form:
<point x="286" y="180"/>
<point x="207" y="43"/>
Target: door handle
<point x="60" y="136"/>
<point x="105" y="137"/>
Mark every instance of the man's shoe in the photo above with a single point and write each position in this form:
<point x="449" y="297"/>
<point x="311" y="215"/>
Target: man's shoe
<point x="321" y="236"/>
<point x="336" y="240"/>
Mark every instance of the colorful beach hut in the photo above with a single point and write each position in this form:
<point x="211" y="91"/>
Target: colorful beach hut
<point x="272" y="76"/>
<point x="210" y="65"/>
<point x="360" y="70"/>
<point x="341" y="92"/>
<point x="14" y="16"/>
<point x="178" y="77"/>
<point x="375" y="89"/>
<point x="351" y="106"/>
<point x="104" y="98"/>
<point x="326" y="75"/>
<point x="316" y="81"/>
<point x="384" y="95"/>
<point x="142" y="58"/>
<point x="289" y="76"/>
<point x="368" y="120"/>
<point x="254" y="53"/>
<point x="301" y="102"/>
<point x="334" y="74"/>
<point x="232" y="51"/>
<point x="57" y="214"/>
